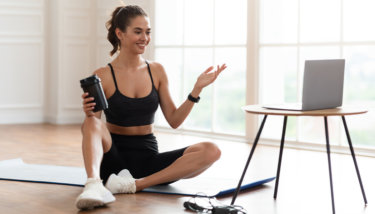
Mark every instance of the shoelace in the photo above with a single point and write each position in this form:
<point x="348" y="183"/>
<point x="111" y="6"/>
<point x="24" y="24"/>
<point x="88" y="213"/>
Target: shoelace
<point x="127" y="185"/>
<point x="90" y="182"/>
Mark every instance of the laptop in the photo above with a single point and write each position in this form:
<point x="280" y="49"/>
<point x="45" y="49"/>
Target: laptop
<point x="323" y="83"/>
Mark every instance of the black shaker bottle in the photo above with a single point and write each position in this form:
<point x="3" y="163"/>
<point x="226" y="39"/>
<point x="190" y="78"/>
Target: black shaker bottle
<point x="93" y="86"/>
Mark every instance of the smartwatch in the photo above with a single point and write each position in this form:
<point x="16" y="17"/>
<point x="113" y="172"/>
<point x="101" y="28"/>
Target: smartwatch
<point x="193" y="99"/>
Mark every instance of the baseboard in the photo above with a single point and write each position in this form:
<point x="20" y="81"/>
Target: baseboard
<point x="61" y="120"/>
<point x="14" y="116"/>
<point x="359" y="150"/>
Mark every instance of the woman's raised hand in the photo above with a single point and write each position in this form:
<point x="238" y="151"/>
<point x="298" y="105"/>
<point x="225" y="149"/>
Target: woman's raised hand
<point x="88" y="105"/>
<point x="208" y="77"/>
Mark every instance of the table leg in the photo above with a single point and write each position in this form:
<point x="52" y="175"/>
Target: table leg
<point x="280" y="157"/>
<point x="329" y="164"/>
<point x="354" y="159"/>
<point x="248" y="160"/>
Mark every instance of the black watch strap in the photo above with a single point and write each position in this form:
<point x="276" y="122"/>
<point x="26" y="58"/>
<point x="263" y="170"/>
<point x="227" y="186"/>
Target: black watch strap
<point x="193" y="99"/>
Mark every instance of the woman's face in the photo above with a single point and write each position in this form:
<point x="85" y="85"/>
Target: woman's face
<point x="137" y="35"/>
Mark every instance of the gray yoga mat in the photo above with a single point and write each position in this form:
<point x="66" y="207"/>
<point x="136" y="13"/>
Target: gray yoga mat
<point x="17" y="170"/>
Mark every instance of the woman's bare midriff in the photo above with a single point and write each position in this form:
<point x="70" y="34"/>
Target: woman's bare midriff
<point x="132" y="130"/>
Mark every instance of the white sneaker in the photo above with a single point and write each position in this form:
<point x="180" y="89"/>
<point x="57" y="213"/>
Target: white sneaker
<point x="94" y="195"/>
<point x="121" y="183"/>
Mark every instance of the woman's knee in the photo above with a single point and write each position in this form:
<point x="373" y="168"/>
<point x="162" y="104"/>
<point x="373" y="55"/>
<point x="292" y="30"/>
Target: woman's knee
<point x="91" y="124"/>
<point x="211" y="152"/>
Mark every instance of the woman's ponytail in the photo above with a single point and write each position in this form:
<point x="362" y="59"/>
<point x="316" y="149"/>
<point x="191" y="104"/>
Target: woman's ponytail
<point x="111" y="36"/>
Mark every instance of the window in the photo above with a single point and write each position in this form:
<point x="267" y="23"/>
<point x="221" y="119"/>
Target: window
<point x="190" y="36"/>
<point x="291" y="31"/>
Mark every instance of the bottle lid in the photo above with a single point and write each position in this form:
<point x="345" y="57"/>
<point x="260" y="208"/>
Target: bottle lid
<point x="93" y="79"/>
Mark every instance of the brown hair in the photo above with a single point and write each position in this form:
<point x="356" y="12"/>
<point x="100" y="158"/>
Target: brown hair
<point x="120" y="19"/>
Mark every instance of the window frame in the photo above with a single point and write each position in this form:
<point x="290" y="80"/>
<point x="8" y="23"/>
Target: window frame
<point x="341" y="44"/>
<point x="252" y="123"/>
<point x="184" y="129"/>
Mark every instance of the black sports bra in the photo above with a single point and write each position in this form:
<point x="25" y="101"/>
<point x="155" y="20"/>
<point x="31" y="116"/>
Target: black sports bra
<point x="126" y="111"/>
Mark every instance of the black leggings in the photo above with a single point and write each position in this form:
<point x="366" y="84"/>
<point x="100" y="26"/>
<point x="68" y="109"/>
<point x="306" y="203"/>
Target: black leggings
<point x="139" y="154"/>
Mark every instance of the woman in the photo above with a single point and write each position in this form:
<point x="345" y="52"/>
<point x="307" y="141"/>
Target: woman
<point x="125" y="146"/>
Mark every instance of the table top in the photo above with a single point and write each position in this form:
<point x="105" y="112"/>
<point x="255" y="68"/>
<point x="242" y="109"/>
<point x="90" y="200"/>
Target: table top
<point x="341" y="111"/>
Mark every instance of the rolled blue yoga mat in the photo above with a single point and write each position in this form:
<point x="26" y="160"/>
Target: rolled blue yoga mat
<point x="17" y="170"/>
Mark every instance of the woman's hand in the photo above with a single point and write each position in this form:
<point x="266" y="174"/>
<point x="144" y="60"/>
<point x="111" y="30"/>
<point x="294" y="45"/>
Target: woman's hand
<point x="208" y="77"/>
<point x="88" y="105"/>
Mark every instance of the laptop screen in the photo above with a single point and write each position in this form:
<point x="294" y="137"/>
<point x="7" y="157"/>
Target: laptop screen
<point x="323" y="84"/>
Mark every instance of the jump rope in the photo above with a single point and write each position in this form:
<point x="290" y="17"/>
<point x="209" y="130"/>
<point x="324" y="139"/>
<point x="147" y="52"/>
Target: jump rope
<point x="201" y="203"/>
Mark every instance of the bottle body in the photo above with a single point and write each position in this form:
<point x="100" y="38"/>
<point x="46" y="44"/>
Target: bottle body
<point x="93" y="86"/>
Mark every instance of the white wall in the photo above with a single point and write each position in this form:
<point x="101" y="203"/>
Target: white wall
<point x="22" y="75"/>
<point x="46" y="47"/>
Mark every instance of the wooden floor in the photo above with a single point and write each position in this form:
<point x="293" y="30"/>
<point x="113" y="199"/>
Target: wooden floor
<point x="303" y="188"/>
